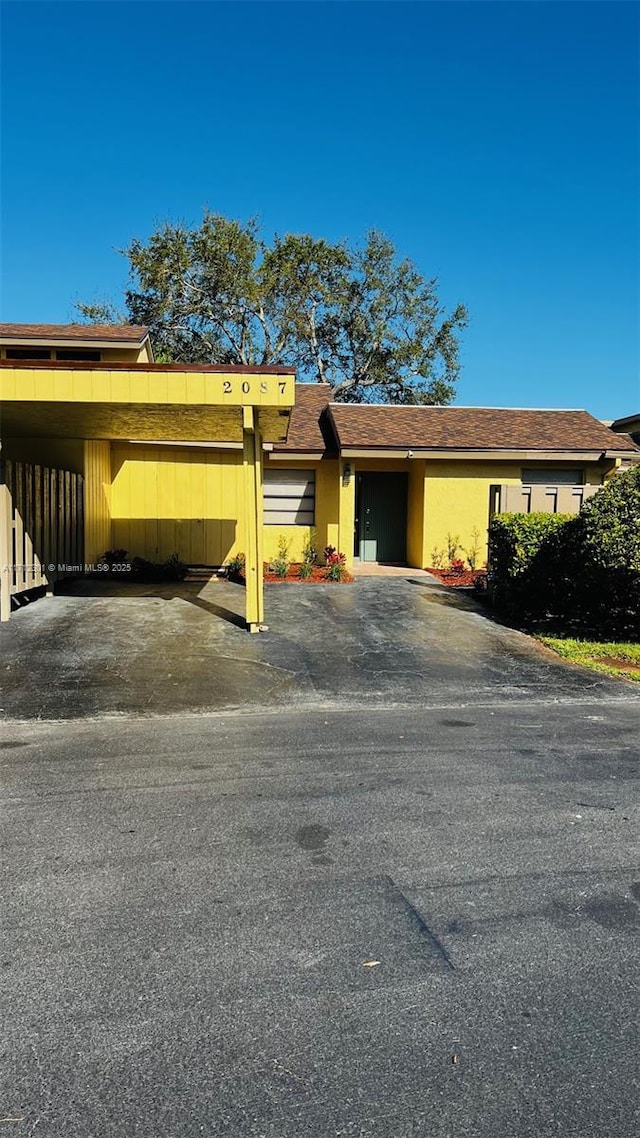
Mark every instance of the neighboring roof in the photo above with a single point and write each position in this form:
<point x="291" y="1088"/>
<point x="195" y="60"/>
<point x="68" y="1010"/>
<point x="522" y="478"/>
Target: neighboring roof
<point x="629" y="423"/>
<point x="309" y="430"/>
<point x="118" y="333"/>
<point x="382" y="427"/>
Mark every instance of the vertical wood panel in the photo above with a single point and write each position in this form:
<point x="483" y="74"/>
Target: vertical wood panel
<point x="18" y="527"/>
<point x="6" y="549"/>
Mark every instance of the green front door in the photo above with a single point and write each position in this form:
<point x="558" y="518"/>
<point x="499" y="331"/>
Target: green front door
<point x="381" y="517"/>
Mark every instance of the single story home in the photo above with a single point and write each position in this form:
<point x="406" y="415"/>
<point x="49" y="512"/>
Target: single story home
<point x="103" y="449"/>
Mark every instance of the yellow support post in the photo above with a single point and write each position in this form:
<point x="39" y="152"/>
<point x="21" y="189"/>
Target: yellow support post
<point x="252" y="470"/>
<point x="347" y="510"/>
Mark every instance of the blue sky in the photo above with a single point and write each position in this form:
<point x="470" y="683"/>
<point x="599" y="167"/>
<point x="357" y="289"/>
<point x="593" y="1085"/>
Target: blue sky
<point x="495" y="143"/>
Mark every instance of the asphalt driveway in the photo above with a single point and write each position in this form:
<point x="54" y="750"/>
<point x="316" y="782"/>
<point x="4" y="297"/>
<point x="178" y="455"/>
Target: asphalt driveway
<point x="384" y="642"/>
<point x="386" y="885"/>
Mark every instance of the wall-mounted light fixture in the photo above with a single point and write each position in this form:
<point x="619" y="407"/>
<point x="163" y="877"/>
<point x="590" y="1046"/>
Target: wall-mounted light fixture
<point x="346" y="474"/>
<point x="409" y="454"/>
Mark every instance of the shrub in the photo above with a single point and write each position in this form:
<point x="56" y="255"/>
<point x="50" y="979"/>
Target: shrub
<point x="610" y="523"/>
<point x="306" y="570"/>
<point x="453" y="545"/>
<point x="280" y="563"/>
<point x="580" y="574"/>
<point x="114" y="556"/>
<point x="457" y="567"/>
<point x="152" y="572"/>
<point x="235" y="565"/>
<point x="173" y="569"/>
<point x="514" y="540"/>
<point x="309" y="549"/>
<point x="437" y="558"/>
<point x="473" y="552"/>
<point x="605" y="589"/>
<point x="336" y="563"/>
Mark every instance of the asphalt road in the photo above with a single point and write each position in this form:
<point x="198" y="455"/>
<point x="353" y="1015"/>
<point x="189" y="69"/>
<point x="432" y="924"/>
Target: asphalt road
<point x="326" y="920"/>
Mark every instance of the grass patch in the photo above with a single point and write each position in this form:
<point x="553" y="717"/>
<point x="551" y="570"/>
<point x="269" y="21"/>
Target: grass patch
<point x="614" y="658"/>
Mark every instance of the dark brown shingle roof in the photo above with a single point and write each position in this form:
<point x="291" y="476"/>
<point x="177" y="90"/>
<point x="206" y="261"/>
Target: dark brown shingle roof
<point x="471" y="428"/>
<point x="132" y="333"/>
<point x="309" y="430"/>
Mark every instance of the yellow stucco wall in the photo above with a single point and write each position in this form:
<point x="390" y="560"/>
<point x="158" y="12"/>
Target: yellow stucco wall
<point x="97" y="491"/>
<point x="415" y="514"/>
<point x="456" y="501"/>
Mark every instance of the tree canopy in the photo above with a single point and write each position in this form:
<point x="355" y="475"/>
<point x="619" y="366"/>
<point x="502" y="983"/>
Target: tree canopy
<point x="357" y="317"/>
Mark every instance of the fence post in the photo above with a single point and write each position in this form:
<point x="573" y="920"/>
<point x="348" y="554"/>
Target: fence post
<point x="6" y="548"/>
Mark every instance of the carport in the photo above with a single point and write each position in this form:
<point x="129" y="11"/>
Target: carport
<point x="48" y="407"/>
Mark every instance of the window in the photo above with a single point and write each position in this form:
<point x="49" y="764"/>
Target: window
<point x="79" y="354"/>
<point x="538" y="476"/>
<point x="28" y="354"/>
<point x="289" y="497"/>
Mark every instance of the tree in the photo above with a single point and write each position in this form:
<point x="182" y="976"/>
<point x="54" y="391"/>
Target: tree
<point x="356" y="317"/>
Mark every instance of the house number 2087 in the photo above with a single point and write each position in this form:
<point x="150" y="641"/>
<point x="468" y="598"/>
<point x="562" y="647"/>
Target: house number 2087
<point x="245" y="388"/>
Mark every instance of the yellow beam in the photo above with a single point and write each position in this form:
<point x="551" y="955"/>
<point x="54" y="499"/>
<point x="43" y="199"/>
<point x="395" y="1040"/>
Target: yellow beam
<point x="252" y="472"/>
<point x="139" y="385"/>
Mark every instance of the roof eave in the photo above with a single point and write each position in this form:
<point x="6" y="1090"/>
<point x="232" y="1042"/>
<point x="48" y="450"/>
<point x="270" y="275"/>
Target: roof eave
<point x="479" y="454"/>
<point x="71" y="342"/>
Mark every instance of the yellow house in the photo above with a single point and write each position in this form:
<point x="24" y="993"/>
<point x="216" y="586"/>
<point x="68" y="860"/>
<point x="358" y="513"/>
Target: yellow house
<point x="207" y="462"/>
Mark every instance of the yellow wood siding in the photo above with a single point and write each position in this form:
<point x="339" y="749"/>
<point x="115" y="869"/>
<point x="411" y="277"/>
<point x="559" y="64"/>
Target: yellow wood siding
<point x="184" y="388"/>
<point x="97" y="487"/>
<point x="183" y="500"/>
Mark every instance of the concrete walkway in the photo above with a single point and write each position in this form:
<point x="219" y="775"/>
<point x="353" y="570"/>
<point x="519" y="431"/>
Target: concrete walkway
<point x="383" y="642"/>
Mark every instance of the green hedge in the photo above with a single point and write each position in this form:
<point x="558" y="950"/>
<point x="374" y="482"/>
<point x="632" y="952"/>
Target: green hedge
<point x="578" y="574"/>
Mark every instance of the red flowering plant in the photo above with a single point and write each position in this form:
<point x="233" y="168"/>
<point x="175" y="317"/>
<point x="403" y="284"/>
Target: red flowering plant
<point x="457" y="566"/>
<point x="335" y="562"/>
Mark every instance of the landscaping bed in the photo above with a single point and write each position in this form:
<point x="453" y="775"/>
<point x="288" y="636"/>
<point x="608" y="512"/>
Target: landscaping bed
<point x="457" y="578"/>
<point x="318" y="576"/>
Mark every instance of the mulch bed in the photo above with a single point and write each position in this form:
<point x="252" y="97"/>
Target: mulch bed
<point x="318" y="577"/>
<point x="618" y="663"/>
<point x="464" y="580"/>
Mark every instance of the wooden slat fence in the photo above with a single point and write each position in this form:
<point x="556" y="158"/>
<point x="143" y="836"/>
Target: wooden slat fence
<point x="41" y="528"/>
<point x="516" y="499"/>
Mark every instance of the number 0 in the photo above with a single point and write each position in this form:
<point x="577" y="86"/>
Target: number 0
<point x="246" y="387"/>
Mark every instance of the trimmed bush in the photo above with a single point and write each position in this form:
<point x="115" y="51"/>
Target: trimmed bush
<point x="514" y="540"/>
<point x="610" y="523"/>
<point x="578" y="574"/>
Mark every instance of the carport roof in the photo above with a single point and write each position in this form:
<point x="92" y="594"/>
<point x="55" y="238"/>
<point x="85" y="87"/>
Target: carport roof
<point x="142" y="401"/>
<point x="382" y="427"/>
